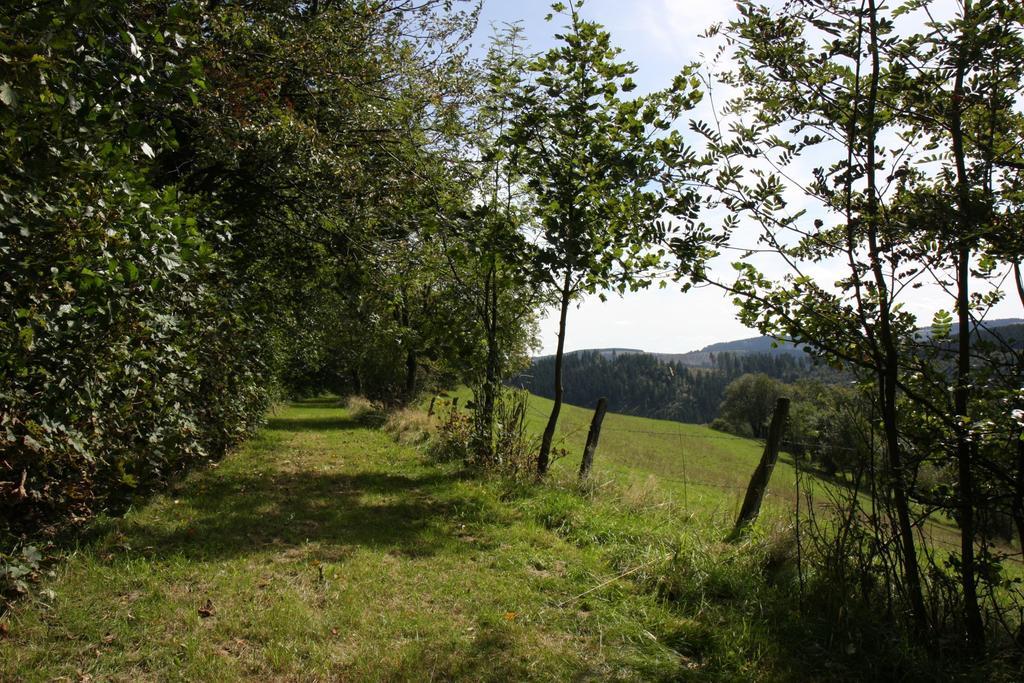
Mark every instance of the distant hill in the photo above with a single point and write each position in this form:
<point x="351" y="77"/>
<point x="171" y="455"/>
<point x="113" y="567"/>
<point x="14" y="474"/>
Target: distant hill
<point x="754" y="345"/>
<point x="604" y="353"/>
<point x="704" y="358"/>
<point x="648" y="384"/>
<point x="1001" y="324"/>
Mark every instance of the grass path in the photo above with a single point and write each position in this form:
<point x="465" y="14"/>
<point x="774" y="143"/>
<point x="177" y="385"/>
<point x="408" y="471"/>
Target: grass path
<point x="322" y="550"/>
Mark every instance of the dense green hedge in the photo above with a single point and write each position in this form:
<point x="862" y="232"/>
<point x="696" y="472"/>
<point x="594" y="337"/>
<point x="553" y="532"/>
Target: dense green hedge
<point x="127" y="346"/>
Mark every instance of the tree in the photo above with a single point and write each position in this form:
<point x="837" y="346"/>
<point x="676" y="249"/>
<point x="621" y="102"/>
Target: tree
<point x="591" y="161"/>
<point x="896" y="123"/>
<point x="197" y="191"/>
<point x="798" y="98"/>
<point x="749" y="402"/>
<point x="958" y="85"/>
<point x="484" y="240"/>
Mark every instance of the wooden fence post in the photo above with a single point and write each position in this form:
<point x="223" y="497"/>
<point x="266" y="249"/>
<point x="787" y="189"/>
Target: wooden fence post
<point x="759" y="481"/>
<point x="592" y="436"/>
<point x="430" y="410"/>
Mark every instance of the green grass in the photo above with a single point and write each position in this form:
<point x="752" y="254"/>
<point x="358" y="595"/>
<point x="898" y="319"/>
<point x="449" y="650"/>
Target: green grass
<point x="323" y="550"/>
<point x="704" y="470"/>
<point x="707" y="471"/>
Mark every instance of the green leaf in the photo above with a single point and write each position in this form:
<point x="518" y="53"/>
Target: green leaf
<point x="27" y="336"/>
<point x="7" y="95"/>
<point x="942" y="324"/>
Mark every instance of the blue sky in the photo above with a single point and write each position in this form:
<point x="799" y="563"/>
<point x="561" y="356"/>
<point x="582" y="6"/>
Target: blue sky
<point x="660" y="37"/>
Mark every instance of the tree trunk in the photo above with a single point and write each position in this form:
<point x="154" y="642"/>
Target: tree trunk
<point x="411" y="365"/>
<point x="972" y="612"/>
<point x="492" y="371"/>
<point x="898" y="475"/>
<point x="888" y="373"/>
<point x="543" y="458"/>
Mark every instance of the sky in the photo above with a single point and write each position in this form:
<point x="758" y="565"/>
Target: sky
<point x="660" y="37"/>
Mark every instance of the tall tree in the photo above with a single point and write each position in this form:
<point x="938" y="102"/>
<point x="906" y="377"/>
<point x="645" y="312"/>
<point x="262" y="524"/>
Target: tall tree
<point x="486" y="247"/>
<point x="896" y="122"/>
<point x="827" y="99"/>
<point x="592" y="163"/>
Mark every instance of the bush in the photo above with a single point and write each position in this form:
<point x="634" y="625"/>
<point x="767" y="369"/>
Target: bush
<point x="720" y="424"/>
<point x="17" y="569"/>
<point x="408" y="426"/>
<point x="130" y="345"/>
<point x="453" y="438"/>
<point x="515" y="449"/>
<point x="362" y="409"/>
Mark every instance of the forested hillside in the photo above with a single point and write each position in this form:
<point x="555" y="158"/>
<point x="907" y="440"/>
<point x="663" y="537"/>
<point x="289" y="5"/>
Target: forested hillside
<point x="637" y="383"/>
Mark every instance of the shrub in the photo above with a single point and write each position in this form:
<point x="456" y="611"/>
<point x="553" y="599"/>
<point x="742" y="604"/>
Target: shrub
<point x="515" y="449"/>
<point x="453" y="438"/>
<point x="16" y="569"/>
<point x="408" y="426"/>
<point x="362" y="409"/>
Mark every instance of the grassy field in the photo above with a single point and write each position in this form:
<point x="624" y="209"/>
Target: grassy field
<point x="704" y="470"/>
<point x="324" y="550"/>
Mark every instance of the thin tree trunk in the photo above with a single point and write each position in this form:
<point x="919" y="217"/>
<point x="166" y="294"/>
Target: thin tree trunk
<point x="961" y="397"/>
<point x="911" y="569"/>
<point x="493" y="357"/>
<point x="1017" y="504"/>
<point x="965" y="472"/>
<point x="1019" y="281"/>
<point x="543" y="458"/>
<point x="411" y="360"/>
<point x="411" y="365"/>
<point x="888" y="374"/>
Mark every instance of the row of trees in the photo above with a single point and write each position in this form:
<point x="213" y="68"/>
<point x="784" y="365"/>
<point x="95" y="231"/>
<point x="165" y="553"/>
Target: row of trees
<point x="207" y="205"/>
<point x="213" y="203"/>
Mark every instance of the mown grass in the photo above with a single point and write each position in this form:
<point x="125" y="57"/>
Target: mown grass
<point x="325" y="550"/>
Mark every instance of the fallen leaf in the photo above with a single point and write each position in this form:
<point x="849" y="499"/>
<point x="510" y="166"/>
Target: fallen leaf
<point x="4" y="630"/>
<point x="509" y="616"/>
<point x="109" y="638"/>
<point x="206" y="610"/>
